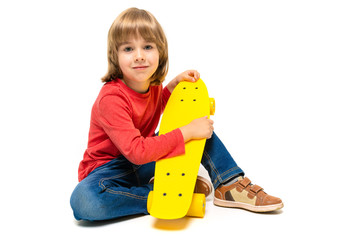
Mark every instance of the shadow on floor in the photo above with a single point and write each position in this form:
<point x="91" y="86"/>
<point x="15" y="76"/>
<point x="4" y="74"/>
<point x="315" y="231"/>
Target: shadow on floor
<point x="172" y="225"/>
<point x="105" y="222"/>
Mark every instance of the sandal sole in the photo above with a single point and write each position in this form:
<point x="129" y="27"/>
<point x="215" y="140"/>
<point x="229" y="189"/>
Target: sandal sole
<point x="267" y="208"/>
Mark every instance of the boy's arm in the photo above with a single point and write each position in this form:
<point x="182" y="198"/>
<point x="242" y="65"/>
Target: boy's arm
<point x="190" y="75"/>
<point x="165" y="98"/>
<point x="116" y="120"/>
<point x="198" y="129"/>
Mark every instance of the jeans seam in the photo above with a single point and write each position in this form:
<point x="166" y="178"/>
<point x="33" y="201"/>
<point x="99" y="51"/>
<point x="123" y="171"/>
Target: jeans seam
<point x="126" y="194"/>
<point x="101" y="182"/>
<point x="103" y="187"/>
<point x="218" y="176"/>
<point x="230" y="170"/>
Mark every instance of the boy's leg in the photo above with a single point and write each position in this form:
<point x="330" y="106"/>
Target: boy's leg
<point x="218" y="162"/>
<point x="231" y="188"/>
<point x="112" y="190"/>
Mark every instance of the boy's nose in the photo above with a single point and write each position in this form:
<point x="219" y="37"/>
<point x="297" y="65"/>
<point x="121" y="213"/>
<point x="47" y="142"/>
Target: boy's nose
<point x="139" y="57"/>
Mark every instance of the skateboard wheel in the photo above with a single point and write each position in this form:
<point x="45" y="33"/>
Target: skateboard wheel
<point x="197" y="207"/>
<point x="212" y="106"/>
<point x="149" y="201"/>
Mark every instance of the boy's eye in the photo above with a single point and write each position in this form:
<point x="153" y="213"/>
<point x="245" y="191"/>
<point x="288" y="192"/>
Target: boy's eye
<point x="128" y="49"/>
<point x="148" y="47"/>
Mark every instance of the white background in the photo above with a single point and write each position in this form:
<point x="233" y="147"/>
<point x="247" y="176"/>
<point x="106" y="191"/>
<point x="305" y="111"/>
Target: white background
<point x="285" y="76"/>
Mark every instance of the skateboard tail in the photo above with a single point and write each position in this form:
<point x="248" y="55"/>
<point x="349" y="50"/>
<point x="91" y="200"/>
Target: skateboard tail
<point x="196" y="208"/>
<point x="173" y="197"/>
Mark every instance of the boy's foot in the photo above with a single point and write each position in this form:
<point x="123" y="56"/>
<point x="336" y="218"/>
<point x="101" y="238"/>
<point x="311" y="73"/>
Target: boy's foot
<point x="202" y="185"/>
<point x="243" y="194"/>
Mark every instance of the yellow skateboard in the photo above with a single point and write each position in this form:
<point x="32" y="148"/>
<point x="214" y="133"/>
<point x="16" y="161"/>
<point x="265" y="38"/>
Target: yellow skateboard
<point x="173" y="196"/>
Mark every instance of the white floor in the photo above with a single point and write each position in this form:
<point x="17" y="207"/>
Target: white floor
<point x="312" y="211"/>
<point x="286" y="79"/>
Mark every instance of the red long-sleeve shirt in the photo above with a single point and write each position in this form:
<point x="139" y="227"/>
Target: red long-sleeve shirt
<point x="123" y="122"/>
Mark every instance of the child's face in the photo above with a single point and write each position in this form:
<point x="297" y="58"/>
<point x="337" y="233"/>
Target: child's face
<point x="138" y="61"/>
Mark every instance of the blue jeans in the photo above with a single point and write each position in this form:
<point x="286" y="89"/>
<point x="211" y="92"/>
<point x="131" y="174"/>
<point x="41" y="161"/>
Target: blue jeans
<point x="120" y="188"/>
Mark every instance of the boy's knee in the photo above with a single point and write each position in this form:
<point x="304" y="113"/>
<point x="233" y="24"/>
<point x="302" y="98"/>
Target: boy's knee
<point x="83" y="202"/>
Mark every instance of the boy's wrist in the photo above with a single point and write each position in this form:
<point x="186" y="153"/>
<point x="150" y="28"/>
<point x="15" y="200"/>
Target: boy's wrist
<point x="186" y="133"/>
<point x="172" y="84"/>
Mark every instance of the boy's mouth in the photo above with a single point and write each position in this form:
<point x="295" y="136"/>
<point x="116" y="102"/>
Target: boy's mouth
<point x="140" y="67"/>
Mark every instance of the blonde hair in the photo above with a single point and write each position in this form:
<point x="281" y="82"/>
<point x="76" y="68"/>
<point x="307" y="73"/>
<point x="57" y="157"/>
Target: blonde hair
<point x="131" y="23"/>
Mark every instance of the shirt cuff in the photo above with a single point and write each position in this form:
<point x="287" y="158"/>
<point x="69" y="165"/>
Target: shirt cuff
<point x="180" y="140"/>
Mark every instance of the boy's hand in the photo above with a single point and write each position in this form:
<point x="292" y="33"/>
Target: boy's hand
<point x="190" y="76"/>
<point x="199" y="128"/>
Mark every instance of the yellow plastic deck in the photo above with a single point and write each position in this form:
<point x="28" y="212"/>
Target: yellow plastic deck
<point x="175" y="178"/>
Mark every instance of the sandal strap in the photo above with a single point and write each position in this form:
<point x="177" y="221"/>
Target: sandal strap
<point x="245" y="182"/>
<point x="254" y="189"/>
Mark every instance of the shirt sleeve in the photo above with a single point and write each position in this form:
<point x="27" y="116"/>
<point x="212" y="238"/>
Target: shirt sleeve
<point x="165" y="98"/>
<point x="116" y="120"/>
